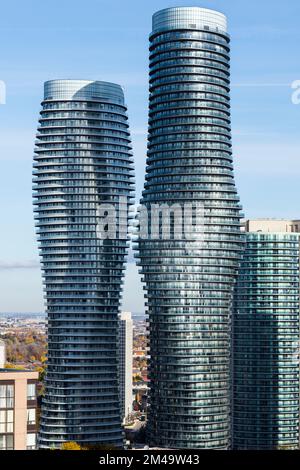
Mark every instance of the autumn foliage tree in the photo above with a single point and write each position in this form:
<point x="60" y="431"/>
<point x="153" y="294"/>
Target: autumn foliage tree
<point x="71" y="446"/>
<point x="29" y="346"/>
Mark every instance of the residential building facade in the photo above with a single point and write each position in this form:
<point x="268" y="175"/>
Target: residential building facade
<point x="83" y="183"/>
<point x="126" y="358"/>
<point x="18" y="409"/>
<point x="2" y="354"/>
<point x="189" y="281"/>
<point x="266" y="379"/>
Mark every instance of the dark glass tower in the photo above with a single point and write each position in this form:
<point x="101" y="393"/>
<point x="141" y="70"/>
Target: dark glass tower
<point x="189" y="283"/>
<point x="82" y="161"/>
<point x="266" y="384"/>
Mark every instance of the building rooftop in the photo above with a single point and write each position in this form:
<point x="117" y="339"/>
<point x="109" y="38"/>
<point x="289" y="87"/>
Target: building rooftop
<point x="272" y="225"/>
<point x="83" y="90"/>
<point x="189" y="18"/>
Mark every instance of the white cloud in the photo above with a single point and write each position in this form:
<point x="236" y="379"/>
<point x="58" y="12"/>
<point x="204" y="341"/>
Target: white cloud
<point x="27" y="264"/>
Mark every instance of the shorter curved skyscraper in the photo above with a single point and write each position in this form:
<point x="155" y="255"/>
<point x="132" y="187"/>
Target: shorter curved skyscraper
<point x="82" y="189"/>
<point x="266" y="380"/>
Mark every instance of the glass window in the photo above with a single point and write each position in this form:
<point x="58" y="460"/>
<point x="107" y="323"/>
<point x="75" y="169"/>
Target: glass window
<point x="2" y="421"/>
<point x="31" y="441"/>
<point x="9" y="442"/>
<point x="31" y="391"/>
<point x="31" y="416"/>
<point x="10" y="421"/>
<point x="10" y="396"/>
<point x="6" y="442"/>
<point x="6" y="421"/>
<point x="6" y="396"/>
<point x="2" y="396"/>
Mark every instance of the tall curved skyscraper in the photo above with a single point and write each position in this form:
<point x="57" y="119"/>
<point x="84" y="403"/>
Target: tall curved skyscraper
<point x="82" y="180"/>
<point x="189" y="282"/>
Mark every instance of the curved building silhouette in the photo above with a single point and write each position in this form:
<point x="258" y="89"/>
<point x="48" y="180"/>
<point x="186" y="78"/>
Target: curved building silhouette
<point x="82" y="186"/>
<point x="189" y="281"/>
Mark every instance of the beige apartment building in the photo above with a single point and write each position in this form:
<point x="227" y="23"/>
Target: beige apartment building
<point x="272" y="225"/>
<point x="18" y="404"/>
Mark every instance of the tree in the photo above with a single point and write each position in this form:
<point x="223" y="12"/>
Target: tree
<point x="71" y="446"/>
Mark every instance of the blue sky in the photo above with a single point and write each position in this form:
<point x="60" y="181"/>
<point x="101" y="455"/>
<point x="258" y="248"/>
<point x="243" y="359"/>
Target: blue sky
<point x="108" y="40"/>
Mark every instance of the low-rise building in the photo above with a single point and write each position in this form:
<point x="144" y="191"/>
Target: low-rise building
<point x="125" y="365"/>
<point x="18" y="404"/>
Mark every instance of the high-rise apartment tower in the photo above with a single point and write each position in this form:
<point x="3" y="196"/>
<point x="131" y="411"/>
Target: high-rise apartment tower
<point x="125" y="366"/>
<point x="189" y="279"/>
<point x="266" y="379"/>
<point x="82" y="189"/>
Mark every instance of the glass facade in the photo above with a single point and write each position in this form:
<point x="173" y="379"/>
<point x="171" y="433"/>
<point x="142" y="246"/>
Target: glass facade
<point x="189" y="283"/>
<point x="7" y="395"/>
<point x="126" y="360"/>
<point x="266" y="344"/>
<point x="83" y="160"/>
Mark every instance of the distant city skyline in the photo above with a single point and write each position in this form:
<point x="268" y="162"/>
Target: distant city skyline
<point x="265" y="121"/>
